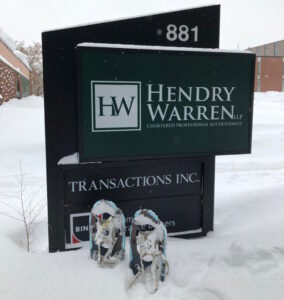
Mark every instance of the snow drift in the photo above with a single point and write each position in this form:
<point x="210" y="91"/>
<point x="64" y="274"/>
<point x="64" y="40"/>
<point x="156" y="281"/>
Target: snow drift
<point x="242" y="259"/>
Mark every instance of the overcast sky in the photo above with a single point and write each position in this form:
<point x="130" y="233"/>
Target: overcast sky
<point x="244" y="23"/>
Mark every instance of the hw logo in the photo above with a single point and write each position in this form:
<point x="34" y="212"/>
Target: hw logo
<point x="116" y="105"/>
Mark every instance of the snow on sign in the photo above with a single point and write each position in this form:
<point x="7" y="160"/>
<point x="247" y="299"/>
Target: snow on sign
<point x="141" y="101"/>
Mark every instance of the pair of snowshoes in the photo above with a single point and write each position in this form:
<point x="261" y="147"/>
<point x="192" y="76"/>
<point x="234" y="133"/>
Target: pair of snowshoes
<point x="148" y="240"/>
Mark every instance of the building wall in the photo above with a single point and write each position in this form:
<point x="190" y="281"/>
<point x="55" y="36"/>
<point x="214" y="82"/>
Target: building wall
<point x="272" y="49"/>
<point x="13" y="60"/>
<point x="256" y="76"/>
<point x="14" y="75"/>
<point x="269" y="74"/>
<point x="8" y="82"/>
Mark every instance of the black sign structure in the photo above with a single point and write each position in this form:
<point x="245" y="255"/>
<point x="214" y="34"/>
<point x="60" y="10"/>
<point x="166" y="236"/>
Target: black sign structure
<point x="197" y="27"/>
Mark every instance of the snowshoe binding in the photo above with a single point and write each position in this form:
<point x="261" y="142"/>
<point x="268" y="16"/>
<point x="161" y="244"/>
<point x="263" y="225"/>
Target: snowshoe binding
<point x="107" y="233"/>
<point x="148" y="240"/>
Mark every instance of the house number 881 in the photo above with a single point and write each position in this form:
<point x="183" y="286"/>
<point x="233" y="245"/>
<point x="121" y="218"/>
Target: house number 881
<point x="181" y="33"/>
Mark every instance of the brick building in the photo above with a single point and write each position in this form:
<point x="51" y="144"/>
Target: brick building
<point x="269" y="73"/>
<point x="14" y="71"/>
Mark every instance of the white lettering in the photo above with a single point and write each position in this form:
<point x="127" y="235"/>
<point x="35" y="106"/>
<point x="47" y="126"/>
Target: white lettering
<point x="225" y="111"/>
<point x="171" y="93"/>
<point x="199" y="89"/>
<point x="73" y="183"/>
<point x="229" y="92"/>
<point x="181" y="92"/>
<point x="158" y="111"/>
<point x="175" y="114"/>
<point x="216" y="91"/>
<point x="159" y="92"/>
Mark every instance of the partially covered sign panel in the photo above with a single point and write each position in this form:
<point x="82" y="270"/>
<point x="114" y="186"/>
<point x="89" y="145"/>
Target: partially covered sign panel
<point x="179" y="190"/>
<point x="151" y="101"/>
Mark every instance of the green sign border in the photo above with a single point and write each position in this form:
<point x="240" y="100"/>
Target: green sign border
<point x="168" y="50"/>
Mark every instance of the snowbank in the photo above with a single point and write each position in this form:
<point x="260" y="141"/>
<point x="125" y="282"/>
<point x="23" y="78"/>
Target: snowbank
<point x="242" y="259"/>
<point x="22" y="135"/>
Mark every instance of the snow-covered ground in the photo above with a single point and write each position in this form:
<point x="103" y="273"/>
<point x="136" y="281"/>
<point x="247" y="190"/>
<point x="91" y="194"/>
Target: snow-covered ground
<point x="242" y="259"/>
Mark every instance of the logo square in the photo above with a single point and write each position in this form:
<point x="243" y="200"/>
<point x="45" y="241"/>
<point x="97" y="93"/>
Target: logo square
<point x="115" y="105"/>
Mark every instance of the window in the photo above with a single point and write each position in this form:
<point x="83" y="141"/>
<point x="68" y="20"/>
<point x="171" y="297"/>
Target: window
<point x="258" y="85"/>
<point x="18" y="89"/>
<point x="276" y="52"/>
<point x="258" y="65"/>
<point x="25" y="86"/>
<point x="283" y="76"/>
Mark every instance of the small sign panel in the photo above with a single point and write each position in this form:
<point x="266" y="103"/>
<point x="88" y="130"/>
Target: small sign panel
<point x="135" y="180"/>
<point x="79" y="228"/>
<point x="139" y="101"/>
<point x="178" y="190"/>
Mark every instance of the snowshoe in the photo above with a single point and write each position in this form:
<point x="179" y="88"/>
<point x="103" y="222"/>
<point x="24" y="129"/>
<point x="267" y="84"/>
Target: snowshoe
<point x="107" y="233"/>
<point x="148" y="240"/>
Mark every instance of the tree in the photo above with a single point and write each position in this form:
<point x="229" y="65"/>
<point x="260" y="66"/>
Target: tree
<point x="26" y="208"/>
<point x="34" y="58"/>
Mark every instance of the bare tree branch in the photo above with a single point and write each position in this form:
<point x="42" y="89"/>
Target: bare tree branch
<point x="11" y="207"/>
<point x="30" y="209"/>
<point x="10" y="216"/>
<point x="9" y="196"/>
